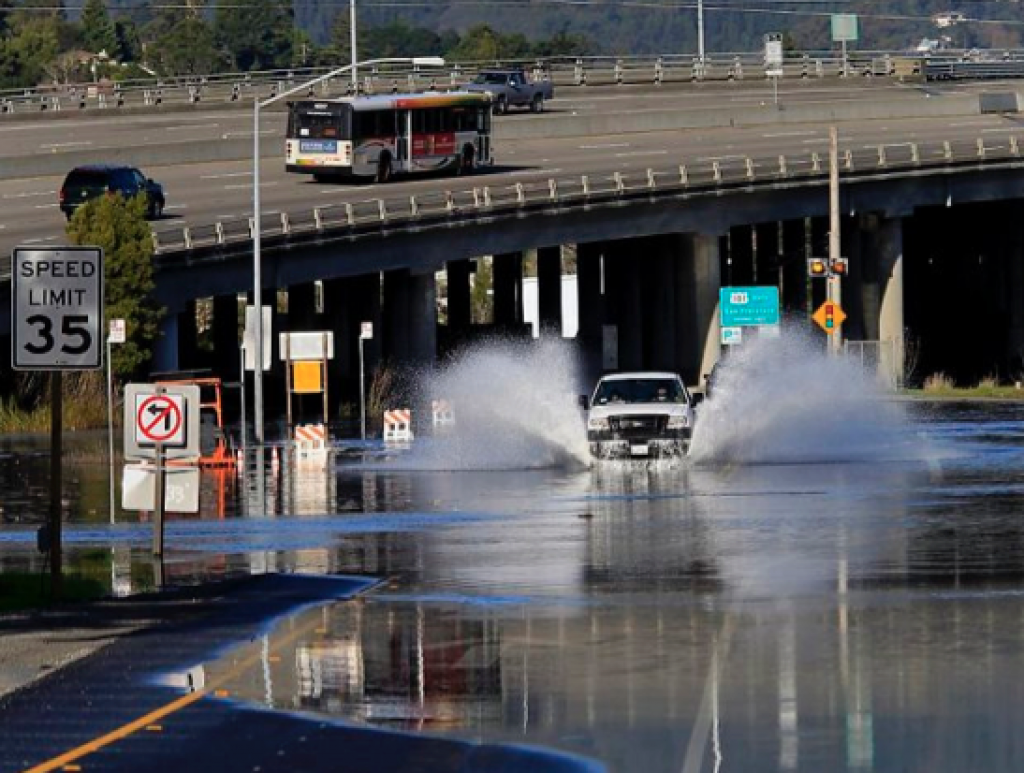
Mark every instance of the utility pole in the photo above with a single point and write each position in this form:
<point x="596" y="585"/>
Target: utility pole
<point x="700" y="33"/>
<point x="833" y="286"/>
<point x="352" y="44"/>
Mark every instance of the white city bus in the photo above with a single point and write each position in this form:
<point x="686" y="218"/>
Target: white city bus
<point x="377" y="137"/>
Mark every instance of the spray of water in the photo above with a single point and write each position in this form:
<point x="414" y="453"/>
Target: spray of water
<point x="785" y="401"/>
<point x="514" y="405"/>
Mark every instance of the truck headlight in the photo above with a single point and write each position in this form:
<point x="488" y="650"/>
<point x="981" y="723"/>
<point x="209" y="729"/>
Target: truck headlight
<point x="597" y="424"/>
<point x="680" y="421"/>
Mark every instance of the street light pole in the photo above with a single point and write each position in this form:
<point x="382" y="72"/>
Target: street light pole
<point x="700" y="32"/>
<point x="257" y="213"/>
<point x="352" y="44"/>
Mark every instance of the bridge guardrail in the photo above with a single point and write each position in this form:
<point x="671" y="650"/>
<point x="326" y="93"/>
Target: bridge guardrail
<point x="370" y="215"/>
<point x="562" y="71"/>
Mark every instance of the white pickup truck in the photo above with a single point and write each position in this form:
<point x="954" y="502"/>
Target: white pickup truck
<point x="644" y="414"/>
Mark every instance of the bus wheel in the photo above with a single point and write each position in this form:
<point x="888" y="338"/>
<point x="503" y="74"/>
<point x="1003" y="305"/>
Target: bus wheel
<point x="383" y="169"/>
<point x="537" y="105"/>
<point x="467" y="161"/>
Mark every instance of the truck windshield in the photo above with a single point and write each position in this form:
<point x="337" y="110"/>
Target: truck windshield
<point x="498" y="78"/>
<point x="641" y="390"/>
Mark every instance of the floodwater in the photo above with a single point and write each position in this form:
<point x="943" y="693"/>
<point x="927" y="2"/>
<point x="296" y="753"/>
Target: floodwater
<point x="856" y="604"/>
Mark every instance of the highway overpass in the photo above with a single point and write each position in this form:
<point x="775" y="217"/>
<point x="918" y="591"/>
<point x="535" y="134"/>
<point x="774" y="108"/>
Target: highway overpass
<point x="658" y="244"/>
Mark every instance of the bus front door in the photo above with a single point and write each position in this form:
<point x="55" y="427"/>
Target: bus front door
<point x="403" y="143"/>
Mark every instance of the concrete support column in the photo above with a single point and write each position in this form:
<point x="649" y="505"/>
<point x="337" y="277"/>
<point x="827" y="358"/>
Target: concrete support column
<point x="226" y="337"/>
<point x="188" y="338"/>
<point x="549" y="290"/>
<point x="883" y="245"/>
<point x="794" y="268"/>
<point x="459" y="299"/>
<point x="590" y="302"/>
<point x="302" y="313"/>
<point x="659" y="304"/>
<point x="165" y="348"/>
<point x="1013" y="259"/>
<point x="625" y="302"/>
<point x="342" y="371"/>
<point x="396" y="315"/>
<point x="508" y="291"/>
<point x="741" y="256"/>
<point x="852" y="301"/>
<point x="819" y="249"/>
<point x="698" y="279"/>
<point x="422" y="331"/>
<point x="766" y="259"/>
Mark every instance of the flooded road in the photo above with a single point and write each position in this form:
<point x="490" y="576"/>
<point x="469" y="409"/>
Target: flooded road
<point x="859" y="614"/>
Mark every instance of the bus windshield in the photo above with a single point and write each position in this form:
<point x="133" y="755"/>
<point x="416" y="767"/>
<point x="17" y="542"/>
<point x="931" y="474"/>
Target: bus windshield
<point x="319" y="122"/>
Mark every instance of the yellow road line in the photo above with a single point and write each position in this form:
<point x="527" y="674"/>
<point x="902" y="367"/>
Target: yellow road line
<point x="177" y="705"/>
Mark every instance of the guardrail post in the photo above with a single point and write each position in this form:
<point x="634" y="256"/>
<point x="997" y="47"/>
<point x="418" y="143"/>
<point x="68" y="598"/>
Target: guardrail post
<point x="805" y="67"/>
<point x="620" y="185"/>
<point x="382" y="211"/>
<point x="881" y="155"/>
<point x="476" y="198"/>
<point x="695" y="69"/>
<point x="286" y="223"/>
<point x="618" y="72"/>
<point x="819" y="68"/>
<point x="815" y="162"/>
<point x="579" y="74"/>
<point x="553" y="189"/>
<point x="350" y="215"/>
<point x="659" y="71"/>
<point x="218" y="229"/>
<point x="585" y="185"/>
<point x="947" y="150"/>
<point x="156" y="241"/>
<point x="750" y="168"/>
<point x="186" y="236"/>
<point x="782" y="166"/>
<point x="520" y="194"/>
<point x="252" y="228"/>
<point x="684" y="177"/>
<point x="848" y="159"/>
<point x="414" y="208"/>
<point x="318" y="218"/>
<point x="716" y="171"/>
<point x="1014" y="147"/>
<point x="449" y="202"/>
<point x="651" y="181"/>
<point x="487" y="196"/>
<point x="981" y="148"/>
<point x="915" y="154"/>
<point x="102" y="100"/>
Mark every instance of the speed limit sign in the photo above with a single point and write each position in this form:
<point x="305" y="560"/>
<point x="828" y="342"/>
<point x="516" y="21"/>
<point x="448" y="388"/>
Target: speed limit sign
<point x="57" y="308"/>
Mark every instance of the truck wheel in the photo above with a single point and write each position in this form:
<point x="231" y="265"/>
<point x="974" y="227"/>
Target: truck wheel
<point x="537" y="105"/>
<point x="383" y="169"/>
<point x="501" y="106"/>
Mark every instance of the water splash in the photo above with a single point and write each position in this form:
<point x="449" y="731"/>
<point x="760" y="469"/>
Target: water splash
<point x="785" y="401"/>
<point x="515" y="408"/>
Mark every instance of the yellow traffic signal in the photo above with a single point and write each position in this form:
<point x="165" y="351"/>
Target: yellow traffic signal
<point x="817" y="267"/>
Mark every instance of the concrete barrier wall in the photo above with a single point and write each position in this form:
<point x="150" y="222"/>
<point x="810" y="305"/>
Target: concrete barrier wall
<point x="555" y="125"/>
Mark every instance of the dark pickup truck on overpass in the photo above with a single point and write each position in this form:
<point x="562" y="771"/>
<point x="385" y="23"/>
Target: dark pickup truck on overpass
<point x="511" y="88"/>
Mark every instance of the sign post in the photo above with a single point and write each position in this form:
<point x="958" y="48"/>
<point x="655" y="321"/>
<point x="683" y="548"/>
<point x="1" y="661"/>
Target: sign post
<point x="116" y="335"/>
<point x="773" y="55"/>
<point x="365" y="334"/>
<point x="844" y="30"/>
<point x="57" y="308"/>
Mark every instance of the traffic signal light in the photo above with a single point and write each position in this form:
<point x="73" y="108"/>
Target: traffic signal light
<point x="817" y="267"/>
<point x="830" y="317"/>
<point x="840" y="267"/>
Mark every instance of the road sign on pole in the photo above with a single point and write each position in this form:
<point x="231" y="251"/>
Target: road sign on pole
<point x="747" y="306"/>
<point x="249" y="338"/>
<point x="57" y="308"/>
<point x="181" y="488"/>
<point x="118" y="333"/>
<point x="164" y="415"/>
<point x="829" y="317"/>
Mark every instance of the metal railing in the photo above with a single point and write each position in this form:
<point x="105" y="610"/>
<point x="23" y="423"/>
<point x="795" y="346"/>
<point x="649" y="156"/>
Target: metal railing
<point x="562" y="71"/>
<point x="370" y="216"/>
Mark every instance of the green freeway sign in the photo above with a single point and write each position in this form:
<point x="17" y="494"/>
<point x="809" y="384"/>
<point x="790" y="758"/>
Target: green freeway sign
<point x="746" y="306"/>
<point x="844" y="28"/>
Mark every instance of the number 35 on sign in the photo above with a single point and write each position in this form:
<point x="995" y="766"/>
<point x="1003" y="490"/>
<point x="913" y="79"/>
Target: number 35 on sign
<point x="58" y="308"/>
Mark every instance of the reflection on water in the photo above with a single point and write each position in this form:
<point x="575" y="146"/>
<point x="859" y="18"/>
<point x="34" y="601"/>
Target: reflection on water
<point x="844" y="616"/>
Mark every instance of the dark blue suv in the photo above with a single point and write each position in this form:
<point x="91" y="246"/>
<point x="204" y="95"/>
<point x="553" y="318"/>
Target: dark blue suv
<point x="85" y="183"/>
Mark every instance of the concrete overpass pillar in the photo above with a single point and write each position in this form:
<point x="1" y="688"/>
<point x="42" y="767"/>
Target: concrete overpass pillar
<point x="590" y="302"/>
<point x="302" y="307"/>
<point x="741" y="256"/>
<point x="882" y="291"/>
<point x="698" y="279"/>
<point x="422" y="330"/>
<point x="794" y="268"/>
<point x="851" y="247"/>
<point x="508" y="291"/>
<point x="819" y="249"/>
<point x="659" y="303"/>
<point x="549" y="289"/>
<point x="188" y="337"/>
<point x="624" y="310"/>
<point x="166" y="347"/>
<point x="459" y="299"/>
<point x="1013" y="259"/>
<point x="226" y="351"/>
<point x="342" y="371"/>
<point x="766" y="257"/>
<point x="396" y="315"/>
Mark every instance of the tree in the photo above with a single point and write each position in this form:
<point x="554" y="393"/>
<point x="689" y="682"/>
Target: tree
<point x="129" y="44"/>
<point x="188" y="48"/>
<point x="119" y="227"/>
<point x="97" y="29"/>
<point x="481" y="300"/>
<point x="257" y="36"/>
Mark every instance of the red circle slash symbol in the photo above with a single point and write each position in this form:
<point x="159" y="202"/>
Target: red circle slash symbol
<point x="159" y="418"/>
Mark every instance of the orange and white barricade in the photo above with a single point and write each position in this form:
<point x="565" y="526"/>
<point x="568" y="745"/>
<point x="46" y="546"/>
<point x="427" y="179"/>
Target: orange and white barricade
<point x="310" y="440"/>
<point x="398" y="426"/>
<point x="443" y="416"/>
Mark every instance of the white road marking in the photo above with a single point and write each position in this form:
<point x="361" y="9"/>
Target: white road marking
<point x="997" y="130"/>
<point x="191" y="128"/>
<point x="604" y="146"/>
<point x="789" y="134"/>
<point x="229" y="135"/>
<point x="176" y="206"/>
<point x="247" y="187"/>
<point x="222" y="176"/>
<point x="642" y="153"/>
<point x="28" y="195"/>
<point x="522" y="172"/>
<point x="969" y="123"/>
<point x="46" y="206"/>
<point x="55" y="145"/>
<point x="720" y="158"/>
<point x="817" y="141"/>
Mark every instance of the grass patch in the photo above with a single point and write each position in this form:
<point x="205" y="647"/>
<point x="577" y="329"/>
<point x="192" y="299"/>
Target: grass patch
<point x="85" y="405"/>
<point x="980" y="392"/>
<point x="23" y="591"/>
